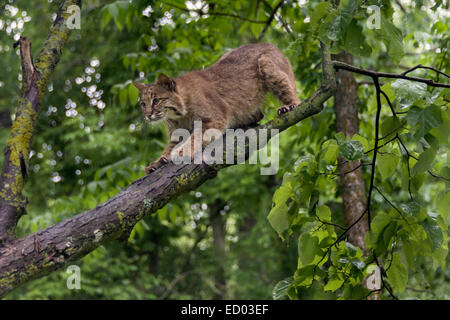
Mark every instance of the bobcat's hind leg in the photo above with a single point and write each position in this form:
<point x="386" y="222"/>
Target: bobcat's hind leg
<point x="276" y="73"/>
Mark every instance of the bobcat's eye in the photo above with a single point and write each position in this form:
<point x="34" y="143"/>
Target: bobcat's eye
<point x="143" y="104"/>
<point x="155" y="101"/>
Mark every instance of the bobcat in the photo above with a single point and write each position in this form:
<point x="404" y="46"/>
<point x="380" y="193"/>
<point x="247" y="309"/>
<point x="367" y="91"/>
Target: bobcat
<point x="228" y="94"/>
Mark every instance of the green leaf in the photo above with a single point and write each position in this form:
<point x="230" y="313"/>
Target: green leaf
<point x="123" y="97"/>
<point x="434" y="232"/>
<point x="334" y="28"/>
<point x="411" y="208"/>
<point x="390" y="126"/>
<point x="333" y="284"/>
<point x="425" y="162"/>
<point x="113" y="10"/>
<point x="106" y="17"/>
<point x="123" y="4"/>
<point x="278" y="218"/>
<point x="280" y="289"/>
<point x="397" y="274"/>
<point x="256" y="29"/>
<point x="117" y="13"/>
<point x="133" y="94"/>
<point x="328" y="29"/>
<point x="304" y="276"/>
<point x="387" y="235"/>
<point x="318" y="13"/>
<point x="409" y="249"/>
<point x="355" y="42"/>
<point x="340" y="137"/>
<point x="443" y="203"/>
<point x="387" y="162"/>
<point x="442" y="132"/>
<point x="383" y="227"/>
<point x="393" y="39"/>
<point x="347" y="10"/>
<point x="351" y="150"/>
<point x="362" y="140"/>
<point x="324" y="213"/>
<point x="357" y="292"/>
<point x="425" y="119"/>
<point x="283" y="193"/>
<point x="301" y="162"/>
<point x="336" y="24"/>
<point x="173" y="216"/>
<point x="307" y="248"/>
<point x="409" y="92"/>
<point x="387" y="88"/>
<point x="330" y="151"/>
<point x="92" y="186"/>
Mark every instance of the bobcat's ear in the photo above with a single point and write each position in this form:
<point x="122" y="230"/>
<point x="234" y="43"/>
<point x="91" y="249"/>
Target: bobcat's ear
<point x="139" y="85"/>
<point x="165" y="82"/>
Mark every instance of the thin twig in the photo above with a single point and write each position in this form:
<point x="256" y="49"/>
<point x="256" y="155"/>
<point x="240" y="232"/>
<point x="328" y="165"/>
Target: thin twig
<point x="341" y="65"/>
<point x="269" y="21"/>
<point x="440" y="65"/>
<point x="335" y="173"/>
<point x="437" y="177"/>
<point x="419" y="66"/>
<point x="409" y="169"/>
<point x="383" y="274"/>
<point x="391" y="204"/>
<point x="330" y="223"/>
<point x="375" y="151"/>
<point x="381" y="146"/>
<point x="286" y="26"/>
<point x="341" y="236"/>
<point x="389" y="102"/>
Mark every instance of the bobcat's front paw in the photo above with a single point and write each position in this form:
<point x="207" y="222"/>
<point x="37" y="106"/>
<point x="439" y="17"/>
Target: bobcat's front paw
<point x="285" y="109"/>
<point x="156" y="165"/>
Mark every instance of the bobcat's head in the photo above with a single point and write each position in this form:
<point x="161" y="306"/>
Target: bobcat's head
<point x="160" y="99"/>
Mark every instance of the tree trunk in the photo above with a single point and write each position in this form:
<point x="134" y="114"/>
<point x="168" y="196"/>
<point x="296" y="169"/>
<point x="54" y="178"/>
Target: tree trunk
<point x="351" y="181"/>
